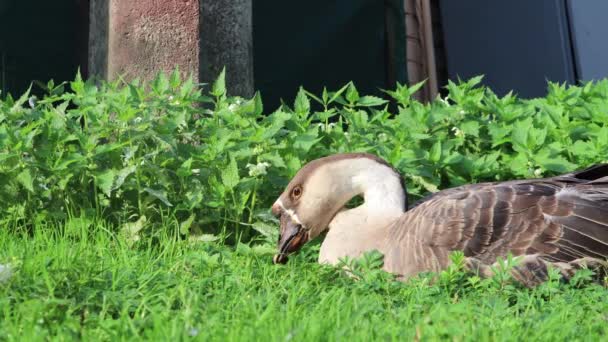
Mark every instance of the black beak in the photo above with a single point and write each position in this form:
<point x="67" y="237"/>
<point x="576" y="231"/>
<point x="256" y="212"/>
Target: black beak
<point x="293" y="237"/>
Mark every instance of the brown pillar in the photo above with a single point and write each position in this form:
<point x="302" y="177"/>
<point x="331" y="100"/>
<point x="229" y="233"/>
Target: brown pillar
<point x="138" y="39"/>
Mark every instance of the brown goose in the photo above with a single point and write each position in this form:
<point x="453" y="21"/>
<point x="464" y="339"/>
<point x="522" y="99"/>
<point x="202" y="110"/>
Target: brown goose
<point x="560" y="221"/>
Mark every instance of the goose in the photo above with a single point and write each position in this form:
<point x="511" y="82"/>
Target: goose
<point x="559" y="222"/>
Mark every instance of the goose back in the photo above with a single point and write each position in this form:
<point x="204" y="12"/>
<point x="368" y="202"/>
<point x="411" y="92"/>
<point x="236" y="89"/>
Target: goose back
<point x="561" y="219"/>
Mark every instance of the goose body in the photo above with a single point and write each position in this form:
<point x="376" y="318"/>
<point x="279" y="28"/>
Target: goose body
<point x="560" y="221"/>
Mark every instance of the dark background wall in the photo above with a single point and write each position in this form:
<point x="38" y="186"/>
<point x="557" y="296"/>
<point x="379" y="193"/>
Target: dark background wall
<point x="40" y="40"/>
<point x="326" y="43"/>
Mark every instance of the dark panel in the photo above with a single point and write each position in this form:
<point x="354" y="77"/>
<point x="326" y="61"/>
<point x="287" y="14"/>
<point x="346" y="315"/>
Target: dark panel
<point x="41" y="40"/>
<point x="517" y="44"/>
<point x="323" y="43"/>
<point x="589" y="29"/>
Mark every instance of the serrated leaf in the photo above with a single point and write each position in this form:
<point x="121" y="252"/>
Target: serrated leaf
<point x="230" y="176"/>
<point x="352" y="95"/>
<point x="159" y="194"/>
<point x="338" y="93"/>
<point x="105" y="181"/>
<point x="203" y="238"/>
<point x="269" y="231"/>
<point x="130" y="230"/>
<point x="175" y="78"/>
<point x="427" y="185"/>
<point x="370" y="101"/>
<point x="325" y="95"/>
<point x="302" y="103"/>
<point x="470" y="128"/>
<point x="306" y="141"/>
<point x="519" y="135"/>
<point x="259" y="106"/>
<point x="122" y="175"/>
<point x="274" y="159"/>
<point x="219" y="86"/>
<point x="435" y="153"/>
<point x="413" y="89"/>
<point x="25" y="178"/>
<point x="184" y="227"/>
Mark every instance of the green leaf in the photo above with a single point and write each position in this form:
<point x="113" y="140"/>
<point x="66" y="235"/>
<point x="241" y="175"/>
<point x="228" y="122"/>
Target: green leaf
<point x="413" y="89"/>
<point x="435" y="153"/>
<point x="23" y="99"/>
<point x="268" y="231"/>
<point x="302" y="103"/>
<point x="230" y="175"/>
<point x="519" y="134"/>
<point x="25" y="178"/>
<point x="219" y="86"/>
<point x="325" y="95"/>
<point x="259" y="106"/>
<point x="426" y="184"/>
<point x="160" y="85"/>
<point x="475" y="81"/>
<point x="306" y="141"/>
<point x="105" y="181"/>
<point x="122" y="175"/>
<point x="175" y="79"/>
<point x="338" y="93"/>
<point x="470" y="128"/>
<point x="352" y="95"/>
<point x="130" y="231"/>
<point x="370" y="101"/>
<point x="184" y="227"/>
<point x="159" y="194"/>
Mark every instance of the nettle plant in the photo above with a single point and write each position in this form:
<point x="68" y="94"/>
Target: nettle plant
<point x="134" y="153"/>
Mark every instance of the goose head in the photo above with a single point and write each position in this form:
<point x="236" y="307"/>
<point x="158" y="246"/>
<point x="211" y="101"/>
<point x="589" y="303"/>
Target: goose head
<point x="320" y="190"/>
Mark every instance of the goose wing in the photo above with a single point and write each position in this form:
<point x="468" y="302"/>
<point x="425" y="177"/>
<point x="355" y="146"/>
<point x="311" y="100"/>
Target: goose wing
<point x="559" y="219"/>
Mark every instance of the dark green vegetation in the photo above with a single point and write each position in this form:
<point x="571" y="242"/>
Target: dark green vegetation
<point x="121" y="211"/>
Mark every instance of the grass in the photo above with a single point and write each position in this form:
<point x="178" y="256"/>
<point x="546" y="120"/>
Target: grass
<point x="90" y="284"/>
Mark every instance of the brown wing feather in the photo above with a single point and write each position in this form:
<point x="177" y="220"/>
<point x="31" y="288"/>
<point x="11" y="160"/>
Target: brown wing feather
<point x="560" y="219"/>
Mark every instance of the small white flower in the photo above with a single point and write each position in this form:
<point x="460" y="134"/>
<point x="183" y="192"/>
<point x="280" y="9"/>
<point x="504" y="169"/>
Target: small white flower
<point x="193" y="332"/>
<point x="258" y="169"/>
<point x="196" y="171"/>
<point x="233" y="107"/>
<point x="171" y="98"/>
<point x="5" y="272"/>
<point x="32" y="101"/>
<point x="538" y="172"/>
<point x="137" y="119"/>
<point x="258" y="149"/>
<point x="458" y="132"/>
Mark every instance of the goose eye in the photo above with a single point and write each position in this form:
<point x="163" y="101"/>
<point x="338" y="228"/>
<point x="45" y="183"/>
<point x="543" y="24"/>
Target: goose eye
<point x="296" y="192"/>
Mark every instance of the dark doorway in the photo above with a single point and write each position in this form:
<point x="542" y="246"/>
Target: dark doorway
<point x="327" y="43"/>
<point x="41" y="40"/>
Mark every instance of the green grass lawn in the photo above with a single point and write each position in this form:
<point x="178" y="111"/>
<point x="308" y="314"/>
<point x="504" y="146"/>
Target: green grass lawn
<point x="91" y="285"/>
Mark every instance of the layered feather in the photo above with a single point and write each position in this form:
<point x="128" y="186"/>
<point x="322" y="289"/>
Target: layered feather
<point x="559" y="219"/>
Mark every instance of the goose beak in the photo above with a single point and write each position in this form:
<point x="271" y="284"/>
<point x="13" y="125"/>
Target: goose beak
<point x="293" y="237"/>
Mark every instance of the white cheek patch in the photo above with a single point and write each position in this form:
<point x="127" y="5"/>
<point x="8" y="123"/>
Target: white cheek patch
<point x="290" y="212"/>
